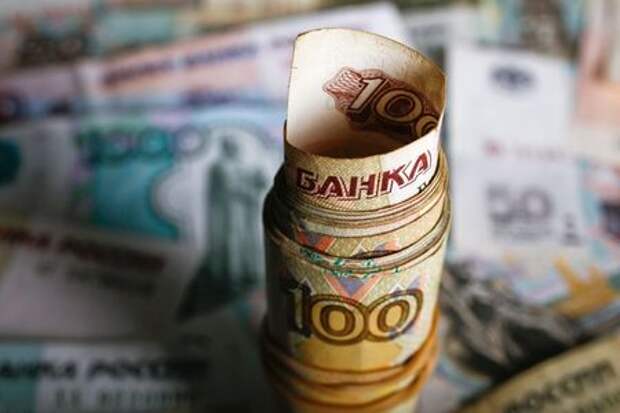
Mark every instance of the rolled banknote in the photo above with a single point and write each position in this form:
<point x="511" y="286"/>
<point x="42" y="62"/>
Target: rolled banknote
<point x="363" y="128"/>
<point x="353" y="314"/>
<point x="400" y="402"/>
<point x="382" y="232"/>
<point x="338" y="383"/>
<point x="62" y="280"/>
<point x="549" y="26"/>
<point x="250" y="63"/>
<point x="584" y="379"/>
<point x="507" y="82"/>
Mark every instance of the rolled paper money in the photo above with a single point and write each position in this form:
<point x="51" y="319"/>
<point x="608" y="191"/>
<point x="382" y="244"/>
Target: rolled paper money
<point x="337" y="379"/>
<point x="363" y="128"/>
<point x="353" y="314"/>
<point x="586" y="379"/>
<point x="343" y="266"/>
<point x="360" y="235"/>
<point x="400" y="402"/>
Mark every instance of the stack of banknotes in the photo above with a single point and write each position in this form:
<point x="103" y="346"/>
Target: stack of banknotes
<point x="356" y="227"/>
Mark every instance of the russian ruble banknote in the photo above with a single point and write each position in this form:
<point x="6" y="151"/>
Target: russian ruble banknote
<point x="209" y="364"/>
<point x="503" y="316"/>
<point x="61" y="280"/>
<point x="190" y="185"/>
<point x="534" y="264"/>
<point x="523" y="203"/>
<point x="582" y="380"/>
<point x="548" y="26"/>
<point x="433" y="30"/>
<point x="535" y="198"/>
<point x="62" y="33"/>
<point x="596" y="128"/>
<point x="522" y="306"/>
<point x="249" y="63"/>
<point x="510" y="119"/>
<point x="512" y="102"/>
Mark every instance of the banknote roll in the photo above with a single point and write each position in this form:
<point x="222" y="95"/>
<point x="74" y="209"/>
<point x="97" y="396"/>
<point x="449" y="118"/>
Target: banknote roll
<point x="352" y="395"/>
<point x="403" y="401"/>
<point x="353" y="314"/>
<point x="585" y="379"/>
<point x="324" y="377"/>
<point x="360" y="234"/>
<point x="356" y="227"/>
<point x="363" y="128"/>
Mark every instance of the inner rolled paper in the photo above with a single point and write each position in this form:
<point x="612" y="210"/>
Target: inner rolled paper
<point x="354" y="94"/>
<point x="364" y="115"/>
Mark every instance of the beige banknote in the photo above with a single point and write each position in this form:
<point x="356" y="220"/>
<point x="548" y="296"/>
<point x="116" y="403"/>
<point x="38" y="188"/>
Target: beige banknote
<point x="363" y="128"/>
<point x="352" y="314"/>
<point x="338" y="383"/>
<point x="404" y="401"/>
<point x="596" y="129"/>
<point x="372" y="234"/>
<point x="586" y="379"/>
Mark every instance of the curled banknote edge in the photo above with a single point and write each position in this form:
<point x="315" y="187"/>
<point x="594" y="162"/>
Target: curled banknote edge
<point x="583" y="379"/>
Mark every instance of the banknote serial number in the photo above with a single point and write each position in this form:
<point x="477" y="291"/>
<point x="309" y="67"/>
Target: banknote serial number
<point x="342" y="320"/>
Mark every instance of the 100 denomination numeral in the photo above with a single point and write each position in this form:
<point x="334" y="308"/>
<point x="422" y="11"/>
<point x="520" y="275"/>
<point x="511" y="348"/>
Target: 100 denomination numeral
<point x="344" y="321"/>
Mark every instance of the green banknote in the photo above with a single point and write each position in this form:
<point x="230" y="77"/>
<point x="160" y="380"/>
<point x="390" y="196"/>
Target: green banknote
<point x="188" y="186"/>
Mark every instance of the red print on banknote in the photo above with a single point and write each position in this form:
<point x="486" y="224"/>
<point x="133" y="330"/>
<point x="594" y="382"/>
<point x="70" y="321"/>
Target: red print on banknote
<point x="373" y="100"/>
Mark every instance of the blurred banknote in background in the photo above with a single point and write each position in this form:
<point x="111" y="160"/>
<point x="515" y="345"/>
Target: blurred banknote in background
<point x="210" y="364"/>
<point x="534" y="264"/>
<point x="431" y="30"/>
<point x="528" y="196"/>
<point x="596" y="129"/>
<point x="122" y="177"/>
<point x="248" y="64"/>
<point x="585" y="379"/>
<point x="548" y="26"/>
<point x="64" y="32"/>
